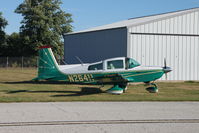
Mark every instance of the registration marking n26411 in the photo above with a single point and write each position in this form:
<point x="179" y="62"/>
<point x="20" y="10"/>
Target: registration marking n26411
<point x="81" y="78"/>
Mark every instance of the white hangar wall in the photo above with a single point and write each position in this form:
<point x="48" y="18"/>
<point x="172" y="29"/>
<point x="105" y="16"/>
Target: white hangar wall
<point x="175" y="38"/>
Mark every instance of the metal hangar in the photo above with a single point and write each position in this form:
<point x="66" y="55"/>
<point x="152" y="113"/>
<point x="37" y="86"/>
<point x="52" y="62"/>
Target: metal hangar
<point x="148" y="39"/>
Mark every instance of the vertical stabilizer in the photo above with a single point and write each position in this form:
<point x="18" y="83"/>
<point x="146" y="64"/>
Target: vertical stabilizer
<point x="48" y="68"/>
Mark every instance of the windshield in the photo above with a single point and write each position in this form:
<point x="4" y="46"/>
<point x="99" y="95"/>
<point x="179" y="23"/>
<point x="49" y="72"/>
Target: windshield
<point x="131" y="63"/>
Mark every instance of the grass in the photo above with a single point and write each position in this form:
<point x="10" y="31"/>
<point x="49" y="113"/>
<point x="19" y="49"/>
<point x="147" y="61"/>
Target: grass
<point x="15" y="87"/>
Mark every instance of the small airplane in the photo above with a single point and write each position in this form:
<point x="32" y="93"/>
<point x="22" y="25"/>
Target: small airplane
<point x="115" y="71"/>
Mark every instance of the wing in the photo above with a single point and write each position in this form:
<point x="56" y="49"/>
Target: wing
<point x="111" y="78"/>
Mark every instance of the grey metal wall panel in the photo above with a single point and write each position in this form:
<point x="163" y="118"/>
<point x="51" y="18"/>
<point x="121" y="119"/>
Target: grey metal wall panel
<point x="185" y="24"/>
<point x="176" y="39"/>
<point x="181" y="53"/>
<point x="95" y="46"/>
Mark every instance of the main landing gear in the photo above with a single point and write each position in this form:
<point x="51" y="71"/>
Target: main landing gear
<point x="117" y="89"/>
<point x="121" y="88"/>
<point x="153" y="88"/>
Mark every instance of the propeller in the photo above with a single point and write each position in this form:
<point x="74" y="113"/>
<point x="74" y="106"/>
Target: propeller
<point x="165" y="66"/>
<point x="165" y="63"/>
<point x="166" y="69"/>
<point x="166" y="76"/>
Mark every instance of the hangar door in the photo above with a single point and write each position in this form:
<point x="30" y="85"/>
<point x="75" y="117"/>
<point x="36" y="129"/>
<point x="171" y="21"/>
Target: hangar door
<point x="181" y="53"/>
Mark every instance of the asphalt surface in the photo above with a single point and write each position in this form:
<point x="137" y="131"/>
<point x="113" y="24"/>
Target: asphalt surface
<point x="100" y="117"/>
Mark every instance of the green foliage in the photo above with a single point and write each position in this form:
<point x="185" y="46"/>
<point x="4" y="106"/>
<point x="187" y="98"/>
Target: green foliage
<point x="3" y="24"/>
<point x="44" y="23"/>
<point x="14" y="46"/>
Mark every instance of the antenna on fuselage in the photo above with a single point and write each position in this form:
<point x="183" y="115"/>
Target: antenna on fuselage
<point x="79" y="60"/>
<point x="64" y="62"/>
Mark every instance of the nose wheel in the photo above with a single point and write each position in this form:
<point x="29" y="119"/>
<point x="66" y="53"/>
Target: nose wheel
<point x="153" y="88"/>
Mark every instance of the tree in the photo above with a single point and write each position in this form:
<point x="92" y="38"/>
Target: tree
<point x="3" y="24"/>
<point x="15" y="46"/>
<point x="44" y="23"/>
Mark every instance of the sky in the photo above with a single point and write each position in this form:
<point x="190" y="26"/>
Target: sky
<point x="91" y="13"/>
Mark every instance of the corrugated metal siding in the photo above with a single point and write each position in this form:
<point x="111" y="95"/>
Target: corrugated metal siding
<point x="95" y="46"/>
<point x="174" y="39"/>
<point x="185" y="24"/>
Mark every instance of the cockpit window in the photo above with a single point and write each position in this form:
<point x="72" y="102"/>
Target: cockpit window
<point x="131" y="63"/>
<point x="116" y="64"/>
<point x="96" y="67"/>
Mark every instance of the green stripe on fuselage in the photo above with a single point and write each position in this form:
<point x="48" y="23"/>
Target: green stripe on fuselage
<point x="144" y="76"/>
<point x="131" y="76"/>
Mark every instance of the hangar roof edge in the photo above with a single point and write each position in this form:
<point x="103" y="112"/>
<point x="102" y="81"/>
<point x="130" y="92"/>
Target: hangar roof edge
<point x="137" y="21"/>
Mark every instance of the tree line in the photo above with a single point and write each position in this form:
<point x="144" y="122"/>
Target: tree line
<point x="43" y="23"/>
